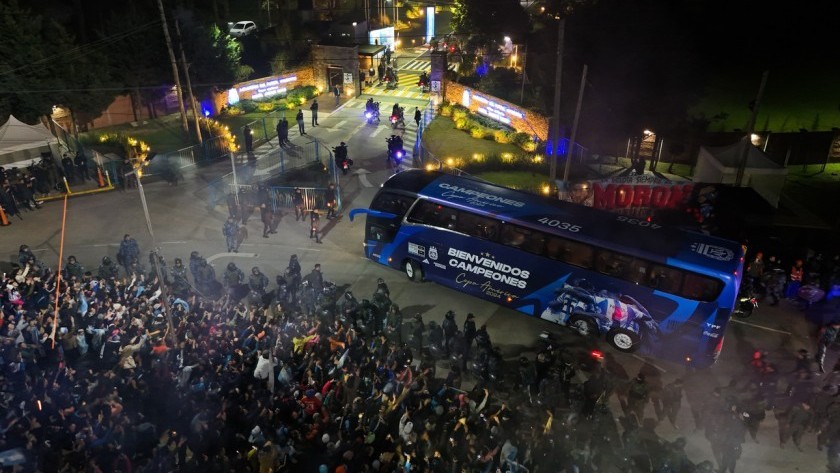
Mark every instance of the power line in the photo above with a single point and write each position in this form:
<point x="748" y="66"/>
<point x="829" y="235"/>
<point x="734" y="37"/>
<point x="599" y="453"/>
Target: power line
<point x="80" y="50"/>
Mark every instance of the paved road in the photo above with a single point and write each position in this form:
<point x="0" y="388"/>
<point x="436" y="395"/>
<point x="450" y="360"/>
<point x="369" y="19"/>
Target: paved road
<point x="182" y="223"/>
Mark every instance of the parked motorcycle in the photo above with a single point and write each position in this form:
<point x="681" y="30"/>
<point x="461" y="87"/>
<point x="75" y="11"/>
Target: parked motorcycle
<point x="747" y="301"/>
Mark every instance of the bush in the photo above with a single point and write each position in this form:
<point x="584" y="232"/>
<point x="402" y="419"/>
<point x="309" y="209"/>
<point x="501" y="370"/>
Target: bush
<point x="299" y="95"/>
<point x="446" y="110"/>
<point x="520" y="139"/>
<point x="459" y="113"/>
<point x="501" y="136"/>
<point x="248" y="106"/>
<point x="231" y="111"/>
<point x="266" y="107"/>
<point x="461" y="123"/>
<point x="477" y="132"/>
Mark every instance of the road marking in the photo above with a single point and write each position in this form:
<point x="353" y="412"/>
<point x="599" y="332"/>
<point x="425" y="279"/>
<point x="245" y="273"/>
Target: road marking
<point x="340" y="124"/>
<point x="769" y="329"/>
<point x="377" y="131"/>
<point x="223" y="255"/>
<point x="363" y="180"/>
<point x="172" y="242"/>
<point x="648" y="362"/>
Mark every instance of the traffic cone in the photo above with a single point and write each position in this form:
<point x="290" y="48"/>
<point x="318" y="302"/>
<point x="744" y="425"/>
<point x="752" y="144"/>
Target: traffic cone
<point x="99" y="175"/>
<point x="3" y="220"/>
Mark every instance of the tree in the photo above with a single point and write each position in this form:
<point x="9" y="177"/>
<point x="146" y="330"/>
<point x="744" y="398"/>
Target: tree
<point x="134" y="60"/>
<point x="30" y="49"/>
<point x="486" y="22"/>
<point x="214" y="56"/>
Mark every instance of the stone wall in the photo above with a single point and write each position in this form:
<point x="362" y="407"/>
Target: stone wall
<point x="502" y="111"/>
<point x="302" y="76"/>
<point x="333" y="60"/>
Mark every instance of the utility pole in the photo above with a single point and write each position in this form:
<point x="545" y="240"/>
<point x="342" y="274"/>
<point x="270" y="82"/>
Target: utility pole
<point x="750" y="127"/>
<point x="172" y="60"/>
<point x="522" y="89"/>
<point x="571" y="146"/>
<point x="189" y="84"/>
<point x="555" y="119"/>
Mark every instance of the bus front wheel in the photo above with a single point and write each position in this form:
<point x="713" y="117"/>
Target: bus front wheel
<point x="623" y="340"/>
<point x="413" y="271"/>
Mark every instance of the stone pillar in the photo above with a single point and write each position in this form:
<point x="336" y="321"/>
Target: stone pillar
<point x="438" y="73"/>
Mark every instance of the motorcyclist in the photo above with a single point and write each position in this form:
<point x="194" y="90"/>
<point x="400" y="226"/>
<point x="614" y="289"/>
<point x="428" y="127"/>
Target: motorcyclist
<point x="369" y="105"/>
<point x="397" y="111"/>
<point x="341" y="155"/>
<point x="395" y="143"/>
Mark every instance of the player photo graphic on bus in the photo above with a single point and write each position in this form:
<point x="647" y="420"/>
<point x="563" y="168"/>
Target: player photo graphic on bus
<point x="625" y="322"/>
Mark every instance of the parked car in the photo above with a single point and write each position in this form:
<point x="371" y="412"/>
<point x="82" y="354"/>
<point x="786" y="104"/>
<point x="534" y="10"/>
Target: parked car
<point x="243" y="28"/>
<point x="623" y="320"/>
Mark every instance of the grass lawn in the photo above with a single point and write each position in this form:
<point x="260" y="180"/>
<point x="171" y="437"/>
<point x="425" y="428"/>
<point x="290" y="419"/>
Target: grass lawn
<point x="444" y="141"/>
<point x="165" y="135"/>
<point x="522" y="180"/>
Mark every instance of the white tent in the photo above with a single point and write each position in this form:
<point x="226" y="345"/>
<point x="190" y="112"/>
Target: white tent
<point x="719" y="165"/>
<point x="22" y="142"/>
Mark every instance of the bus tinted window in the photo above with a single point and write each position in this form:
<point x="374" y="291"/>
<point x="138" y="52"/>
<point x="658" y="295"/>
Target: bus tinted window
<point x="477" y="226"/>
<point x="700" y="287"/>
<point x="424" y="212"/>
<point x="665" y="279"/>
<point x="572" y="252"/>
<point x="616" y="265"/>
<point x="392" y="203"/>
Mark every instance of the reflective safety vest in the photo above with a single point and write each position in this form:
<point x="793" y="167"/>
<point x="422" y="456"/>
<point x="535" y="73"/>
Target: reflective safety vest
<point x="796" y="274"/>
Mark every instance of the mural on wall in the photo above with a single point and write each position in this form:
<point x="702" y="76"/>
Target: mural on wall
<point x="261" y="88"/>
<point x="518" y="118"/>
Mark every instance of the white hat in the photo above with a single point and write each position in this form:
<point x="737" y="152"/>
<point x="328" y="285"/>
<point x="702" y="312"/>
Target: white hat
<point x="325" y="438"/>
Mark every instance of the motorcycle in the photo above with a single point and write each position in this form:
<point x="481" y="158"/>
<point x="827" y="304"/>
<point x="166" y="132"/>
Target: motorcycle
<point x="747" y="301"/>
<point x="342" y="163"/>
<point x="372" y="114"/>
<point x="398" y="119"/>
<point x="395" y="149"/>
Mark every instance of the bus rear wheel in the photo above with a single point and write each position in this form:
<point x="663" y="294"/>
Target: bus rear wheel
<point x="582" y="325"/>
<point x="413" y="271"/>
<point x="623" y="340"/>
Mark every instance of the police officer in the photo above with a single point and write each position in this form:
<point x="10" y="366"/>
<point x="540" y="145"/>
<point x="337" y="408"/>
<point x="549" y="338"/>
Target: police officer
<point x="230" y="230"/>
<point x="180" y="284"/>
<point x="331" y="200"/>
<point x="73" y="269"/>
<point x="232" y="279"/>
<point x="257" y="281"/>
<point x="316" y="279"/>
<point x="314" y="223"/>
<point x="449" y="328"/>
<point x="108" y="270"/>
<point x="825" y="338"/>
<point x="469" y="332"/>
<point x="297" y="200"/>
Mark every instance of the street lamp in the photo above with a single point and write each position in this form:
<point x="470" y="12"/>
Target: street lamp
<point x="138" y="173"/>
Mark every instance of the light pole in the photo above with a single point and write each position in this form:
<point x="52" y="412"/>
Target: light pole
<point x="164" y="293"/>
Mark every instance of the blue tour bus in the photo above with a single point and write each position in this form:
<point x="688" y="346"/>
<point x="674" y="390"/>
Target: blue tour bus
<point x="664" y="291"/>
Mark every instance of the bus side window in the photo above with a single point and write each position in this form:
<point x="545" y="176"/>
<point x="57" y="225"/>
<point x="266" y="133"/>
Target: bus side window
<point x="512" y="236"/>
<point x="424" y="212"/>
<point x="536" y="243"/>
<point x="700" y="288"/>
<point x="665" y="279"/>
<point x="615" y="265"/>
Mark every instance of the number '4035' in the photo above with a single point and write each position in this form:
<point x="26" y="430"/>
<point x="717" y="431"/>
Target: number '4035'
<point x="559" y="224"/>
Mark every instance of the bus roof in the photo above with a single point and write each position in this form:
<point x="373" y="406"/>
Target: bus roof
<point x="597" y="226"/>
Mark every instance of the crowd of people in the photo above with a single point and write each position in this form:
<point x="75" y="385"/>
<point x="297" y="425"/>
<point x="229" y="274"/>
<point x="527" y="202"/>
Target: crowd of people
<point x="239" y="373"/>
